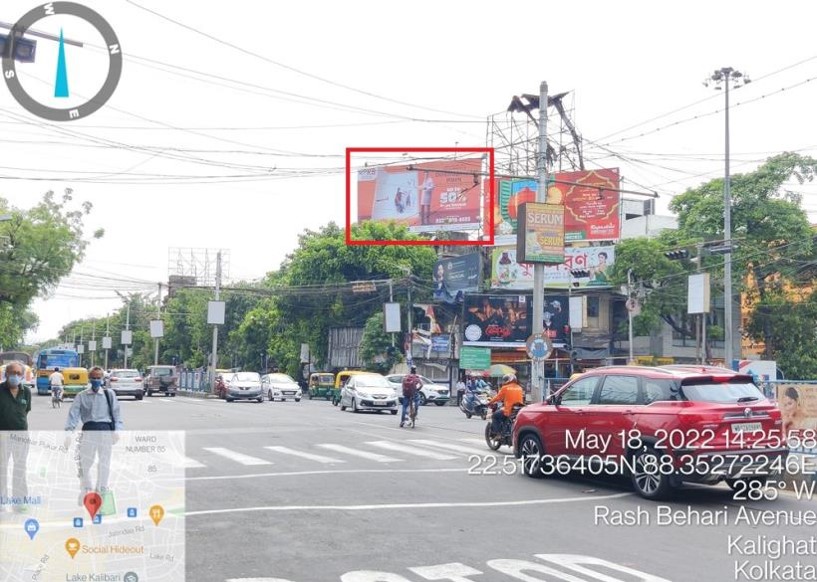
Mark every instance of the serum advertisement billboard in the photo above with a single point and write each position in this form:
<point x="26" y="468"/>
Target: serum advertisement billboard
<point x="541" y="235"/>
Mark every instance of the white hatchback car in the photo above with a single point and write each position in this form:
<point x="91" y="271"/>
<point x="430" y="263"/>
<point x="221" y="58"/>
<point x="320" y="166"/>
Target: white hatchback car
<point x="429" y="392"/>
<point x="368" y="392"/>
<point x="280" y="387"/>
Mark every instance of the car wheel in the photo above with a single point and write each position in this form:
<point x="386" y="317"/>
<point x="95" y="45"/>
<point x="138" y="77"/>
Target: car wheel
<point x="342" y="407"/>
<point x="260" y="399"/>
<point x="745" y="483"/>
<point x="310" y="396"/>
<point x="394" y="412"/>
<point x="468" y="415"/>
<point x="493" y="441"/>
<point x="269" y="396"/>
<point x="423" y="400"/>
<point x="354" y="406"/>
<point x="298" y="399"/>
<point x="648" y="479"/>
<point x="440" y="403"/>
<point x="150" y="393"/>
<point x="139" y="397"/>
<point x="531" y="452"/>
<point x="228" y="399"/>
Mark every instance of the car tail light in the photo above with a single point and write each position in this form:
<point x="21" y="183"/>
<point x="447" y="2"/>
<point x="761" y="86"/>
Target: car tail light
<point x="113" y="379"/>
<point x="137" y="379"/>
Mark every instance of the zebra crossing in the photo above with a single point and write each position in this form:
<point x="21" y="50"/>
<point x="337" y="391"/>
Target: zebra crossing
<point x="329" y="454"/>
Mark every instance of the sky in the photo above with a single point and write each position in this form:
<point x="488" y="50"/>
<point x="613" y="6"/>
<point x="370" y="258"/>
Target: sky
<point x="229" y="125"/>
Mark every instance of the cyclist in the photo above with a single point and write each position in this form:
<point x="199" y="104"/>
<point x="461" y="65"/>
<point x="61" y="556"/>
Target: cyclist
<point x="411" y="393"/>
<point x="510" y="393"/>
<point x="57" y="381"/>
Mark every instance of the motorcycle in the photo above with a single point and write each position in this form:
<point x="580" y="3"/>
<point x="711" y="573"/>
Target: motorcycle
<point x="505" y="436"/>
<point x="474" y="404"/>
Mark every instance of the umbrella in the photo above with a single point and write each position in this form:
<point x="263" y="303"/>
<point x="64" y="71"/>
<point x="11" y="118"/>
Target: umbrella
<point x="499" y="370"/>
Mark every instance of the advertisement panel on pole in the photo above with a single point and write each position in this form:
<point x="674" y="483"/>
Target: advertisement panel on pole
<point x="455" y="276"/>
<point x="391" y="313"/>
<point x="215" y="312"/>
<point x="556" y="322"/>
<point x="92" y="346"/>
<point x="497" y="320"/>
<point x="698" y="293"/>
<point x="591" y="210"/>
<point x="507" y="273"/>
<point x="157" y="328"/>
<point x="127" y="337"/>
<point x="426" y="197"/>
<point x="541" y="236"/>
<point x="106" y="342"/>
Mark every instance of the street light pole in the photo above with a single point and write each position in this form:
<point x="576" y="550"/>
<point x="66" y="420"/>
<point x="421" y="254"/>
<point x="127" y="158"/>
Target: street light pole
<point x="537" y="367"/>
<point x="630" y="313"/>
<point x="724" y="76"/>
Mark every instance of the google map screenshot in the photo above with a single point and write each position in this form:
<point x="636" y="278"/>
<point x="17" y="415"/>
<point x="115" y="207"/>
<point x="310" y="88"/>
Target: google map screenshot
<point x="376" y="292"/>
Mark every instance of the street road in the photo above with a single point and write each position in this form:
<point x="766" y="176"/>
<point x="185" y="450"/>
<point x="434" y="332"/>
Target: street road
<point x="303" y="492"/>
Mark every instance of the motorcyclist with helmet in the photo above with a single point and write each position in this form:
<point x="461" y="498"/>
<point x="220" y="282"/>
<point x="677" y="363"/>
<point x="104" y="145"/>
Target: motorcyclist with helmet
<point x="510" y="393"/>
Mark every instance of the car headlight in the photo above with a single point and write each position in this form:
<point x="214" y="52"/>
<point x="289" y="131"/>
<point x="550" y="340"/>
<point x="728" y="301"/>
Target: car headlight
<point x="363" y="394"/>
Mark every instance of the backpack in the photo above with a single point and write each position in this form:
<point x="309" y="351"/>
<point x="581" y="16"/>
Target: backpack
<point x="411" y="384"/>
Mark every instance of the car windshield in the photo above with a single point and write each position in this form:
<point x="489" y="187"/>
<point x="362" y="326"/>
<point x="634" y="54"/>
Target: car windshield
<point x="162" y="371"/>
<point x="722" y="392"/>
<point x="371" y="381"/>
<point x="281" y="379"/>
<point x="125" y="373"/>
<point x="247" y="377"/>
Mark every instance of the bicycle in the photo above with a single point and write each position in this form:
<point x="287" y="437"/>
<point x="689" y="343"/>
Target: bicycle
<point x="56" y="398"/>
<point x="412" y="413"/>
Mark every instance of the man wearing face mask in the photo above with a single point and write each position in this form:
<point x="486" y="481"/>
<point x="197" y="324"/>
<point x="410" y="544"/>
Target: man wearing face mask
<point x="15" y="404"/>
<point x="98" y="410"/>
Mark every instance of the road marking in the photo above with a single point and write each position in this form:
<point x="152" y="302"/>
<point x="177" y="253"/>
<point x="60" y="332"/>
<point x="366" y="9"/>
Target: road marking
<point x="357" y="453"/>
<point x="393" y="506"/>
<point x="410" y="450"/>
<point x="452" y="447"/>
<point x="475" y="441"/>
<point x="192" y="463"/>
<point x="310" y="456"/>
<point x="324" y="472"/>
<point x="237" y="457"/>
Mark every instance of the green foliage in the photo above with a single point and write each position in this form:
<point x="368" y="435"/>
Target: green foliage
<point x="790" y="332"/>
<point x="375" y="346"/>
<point x="41" y="246"/>
<point x="772" y="234"/>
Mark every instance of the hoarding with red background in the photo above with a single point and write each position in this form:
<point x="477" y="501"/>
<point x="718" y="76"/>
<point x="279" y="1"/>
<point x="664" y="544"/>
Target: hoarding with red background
<point x="591" y="213"/>
<point x="455" y="199"/>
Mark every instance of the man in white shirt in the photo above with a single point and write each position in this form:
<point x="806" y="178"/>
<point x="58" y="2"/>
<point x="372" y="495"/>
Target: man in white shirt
<point x="425" y="201"/>
<point x="57" y="381"/>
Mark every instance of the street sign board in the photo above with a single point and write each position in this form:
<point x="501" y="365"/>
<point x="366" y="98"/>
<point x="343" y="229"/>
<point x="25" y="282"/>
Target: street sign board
<point x="473" y="358"/>
<point x="537" y="347"/>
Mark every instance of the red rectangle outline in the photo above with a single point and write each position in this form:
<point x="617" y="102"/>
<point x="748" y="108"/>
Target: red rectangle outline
<point x="489" y="210"/>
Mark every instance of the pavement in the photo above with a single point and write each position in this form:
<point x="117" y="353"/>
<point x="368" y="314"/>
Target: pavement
<point x="303" y="492"/>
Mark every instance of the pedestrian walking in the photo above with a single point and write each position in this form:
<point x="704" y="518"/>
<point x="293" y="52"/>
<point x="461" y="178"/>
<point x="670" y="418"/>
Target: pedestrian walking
<point x="97" y="409"/>
<point x="15" y="404"/>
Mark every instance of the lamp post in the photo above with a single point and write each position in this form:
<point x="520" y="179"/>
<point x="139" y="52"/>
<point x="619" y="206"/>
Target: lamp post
<point x="721" y="78"/>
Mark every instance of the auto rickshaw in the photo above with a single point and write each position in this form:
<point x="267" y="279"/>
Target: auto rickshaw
<point x="321" y="385"/>
<point x="340" y="380"/>
<point x="76" y="380"/>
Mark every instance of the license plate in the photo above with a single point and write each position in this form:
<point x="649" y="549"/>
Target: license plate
<point x="747" y="427"/>
<point x="379" y="403"/>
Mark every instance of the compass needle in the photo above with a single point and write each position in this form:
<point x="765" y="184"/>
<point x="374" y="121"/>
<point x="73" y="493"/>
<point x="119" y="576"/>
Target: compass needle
<point x="61" y="86"/>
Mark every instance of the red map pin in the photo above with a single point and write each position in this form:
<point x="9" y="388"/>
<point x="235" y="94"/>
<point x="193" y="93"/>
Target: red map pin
<point x="92" y="503"/>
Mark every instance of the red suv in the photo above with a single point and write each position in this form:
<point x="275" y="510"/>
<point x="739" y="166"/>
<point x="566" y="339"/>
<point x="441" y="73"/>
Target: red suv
<point x="662" y="426"/>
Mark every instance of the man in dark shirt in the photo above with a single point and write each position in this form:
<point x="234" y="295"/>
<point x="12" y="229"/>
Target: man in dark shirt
<point x="15" y="404"/>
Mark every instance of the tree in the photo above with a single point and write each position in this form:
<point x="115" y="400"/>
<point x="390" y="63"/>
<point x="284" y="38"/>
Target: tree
<point x="42" y="245"/>
<point x="311" y="291"/>
<point x="773" y="239"/>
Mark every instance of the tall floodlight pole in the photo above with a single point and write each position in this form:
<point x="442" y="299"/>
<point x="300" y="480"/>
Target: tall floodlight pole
<point x="214" y="358"/>
<point x="537" y="367"/>
<point x="721" y="79"/>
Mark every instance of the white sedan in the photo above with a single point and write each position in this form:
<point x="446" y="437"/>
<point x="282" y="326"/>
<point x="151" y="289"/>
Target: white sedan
<point x="368" y="392"/>
<point x="281" y="387"/>
<point x="429" y="392"/>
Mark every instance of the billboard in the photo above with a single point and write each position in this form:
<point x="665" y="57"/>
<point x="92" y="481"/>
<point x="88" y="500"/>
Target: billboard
<point x="591" y="212"/>
<point x="455" y="276"/>
<point x="426" y="197"/>
<point x="507" y="273"/>
<point x="542" y="233"/>
<point x="798" y="406"/>
<point x="497" y="320"/>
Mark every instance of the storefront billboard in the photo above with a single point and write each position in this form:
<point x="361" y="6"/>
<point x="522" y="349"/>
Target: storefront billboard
<point x="591" y="210"/>
<point x="507" y="273"/>
<point x="426" y="197"/>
